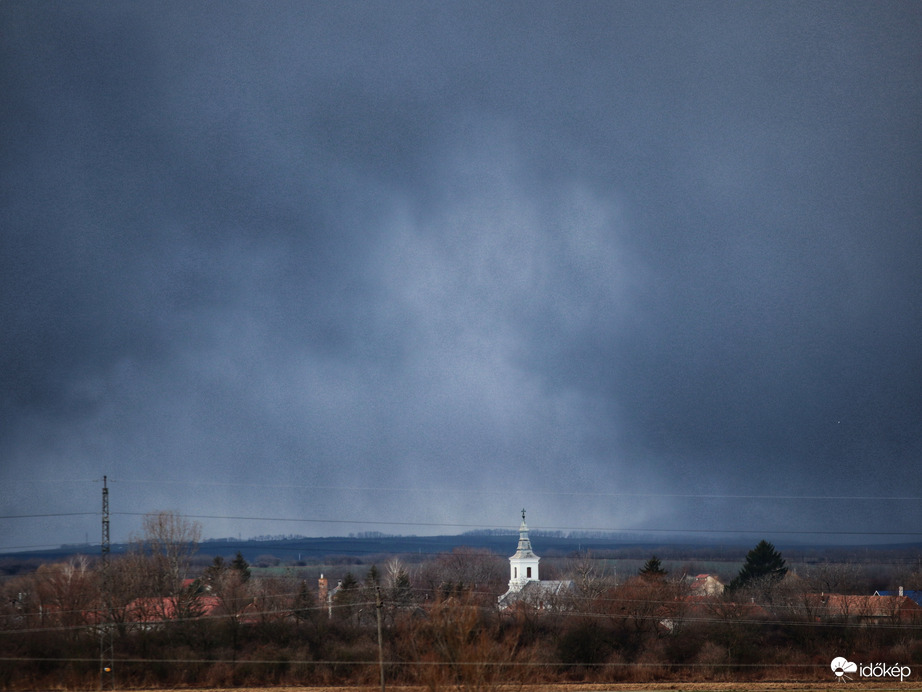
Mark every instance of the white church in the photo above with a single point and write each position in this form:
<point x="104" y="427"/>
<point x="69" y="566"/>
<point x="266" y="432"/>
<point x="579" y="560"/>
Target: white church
<point x="525" y="585"/>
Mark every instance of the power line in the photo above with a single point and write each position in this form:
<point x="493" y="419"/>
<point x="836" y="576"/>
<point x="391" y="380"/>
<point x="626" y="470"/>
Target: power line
<point x="480" y="491"/>
<point x="50" y="514"/>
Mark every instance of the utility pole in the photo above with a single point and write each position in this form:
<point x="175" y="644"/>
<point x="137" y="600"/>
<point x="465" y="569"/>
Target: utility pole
<point x="106" y="645"/>
<point x="379" y="605"/>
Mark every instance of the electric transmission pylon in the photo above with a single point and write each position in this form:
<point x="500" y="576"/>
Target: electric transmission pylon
<point x="106" y="644"/>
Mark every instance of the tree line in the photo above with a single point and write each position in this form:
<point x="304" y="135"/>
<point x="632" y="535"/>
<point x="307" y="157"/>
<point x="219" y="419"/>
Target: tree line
<point x="441" y="626"/>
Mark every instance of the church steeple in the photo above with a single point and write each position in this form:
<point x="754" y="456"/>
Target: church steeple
<point x="523" y="566"/>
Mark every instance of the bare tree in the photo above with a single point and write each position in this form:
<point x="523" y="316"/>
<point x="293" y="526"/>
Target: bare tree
<point x="641" y="606"/>
<point x="591" y="578"/>
<point x="274" y="598"/>
<point x="233" y="594"/>
<point x="833" y="577"/>
<point x="909" y="577"/>
<point x="69" y="594"/>
<point x="397" y="583"/>
<point x="458" y="644"/>
<point x="166" y="546"/>
<point x="128" y="585"/>
<point x="171" y="541"/>
<point x="465" y="570"/>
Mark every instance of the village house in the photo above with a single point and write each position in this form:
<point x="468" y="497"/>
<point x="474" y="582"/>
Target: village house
<point x="876" y="609"/>
<point x="705" y="585"/>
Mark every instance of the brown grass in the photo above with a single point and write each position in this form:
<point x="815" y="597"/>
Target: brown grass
<point x="621" y="687"/>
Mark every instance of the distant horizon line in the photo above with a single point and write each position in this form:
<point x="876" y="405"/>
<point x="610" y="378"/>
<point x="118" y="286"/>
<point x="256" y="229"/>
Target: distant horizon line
<point x="634" y="537"/>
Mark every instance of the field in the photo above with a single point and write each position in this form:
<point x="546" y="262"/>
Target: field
<point x="632" y="687"/>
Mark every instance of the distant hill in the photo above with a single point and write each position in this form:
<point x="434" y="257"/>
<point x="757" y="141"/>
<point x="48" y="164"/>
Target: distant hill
<point x="305" y="549"/>
<point x="365" y="547"/>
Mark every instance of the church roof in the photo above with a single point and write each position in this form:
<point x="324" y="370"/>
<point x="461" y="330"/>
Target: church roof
<point x="542" y="594"/>
<point x="524" y="550"/>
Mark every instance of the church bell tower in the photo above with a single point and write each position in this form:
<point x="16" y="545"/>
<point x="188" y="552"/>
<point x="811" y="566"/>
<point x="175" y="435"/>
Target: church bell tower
<point x="523" y="566"/>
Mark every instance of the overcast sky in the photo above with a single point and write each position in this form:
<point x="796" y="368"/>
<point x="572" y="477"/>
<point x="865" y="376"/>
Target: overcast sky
<point x="411" y="266"/>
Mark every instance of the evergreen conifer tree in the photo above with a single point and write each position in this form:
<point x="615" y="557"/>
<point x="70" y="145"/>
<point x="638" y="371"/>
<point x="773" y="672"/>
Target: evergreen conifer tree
<point x="348" y="582"/>
<point x="402" y="591"/>
<point x="346" y="596"/>
<point x="373" y="578"/>
<point x="213" y="573"/>
<point x="653" y="569"/>
<point x="242" y="566"/>
<point x="763" y="566"/>
<point x="304" y="602"/>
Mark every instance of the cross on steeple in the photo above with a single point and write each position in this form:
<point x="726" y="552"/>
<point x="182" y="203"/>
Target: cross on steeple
<point x="523" y="514"/>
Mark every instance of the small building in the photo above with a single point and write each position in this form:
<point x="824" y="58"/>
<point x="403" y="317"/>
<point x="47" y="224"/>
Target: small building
<point x="705" y="585"/>
<point x="874" y="609"/>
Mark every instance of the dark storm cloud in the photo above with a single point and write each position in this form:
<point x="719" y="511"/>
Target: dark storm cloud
<point x="428" y="263"/>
